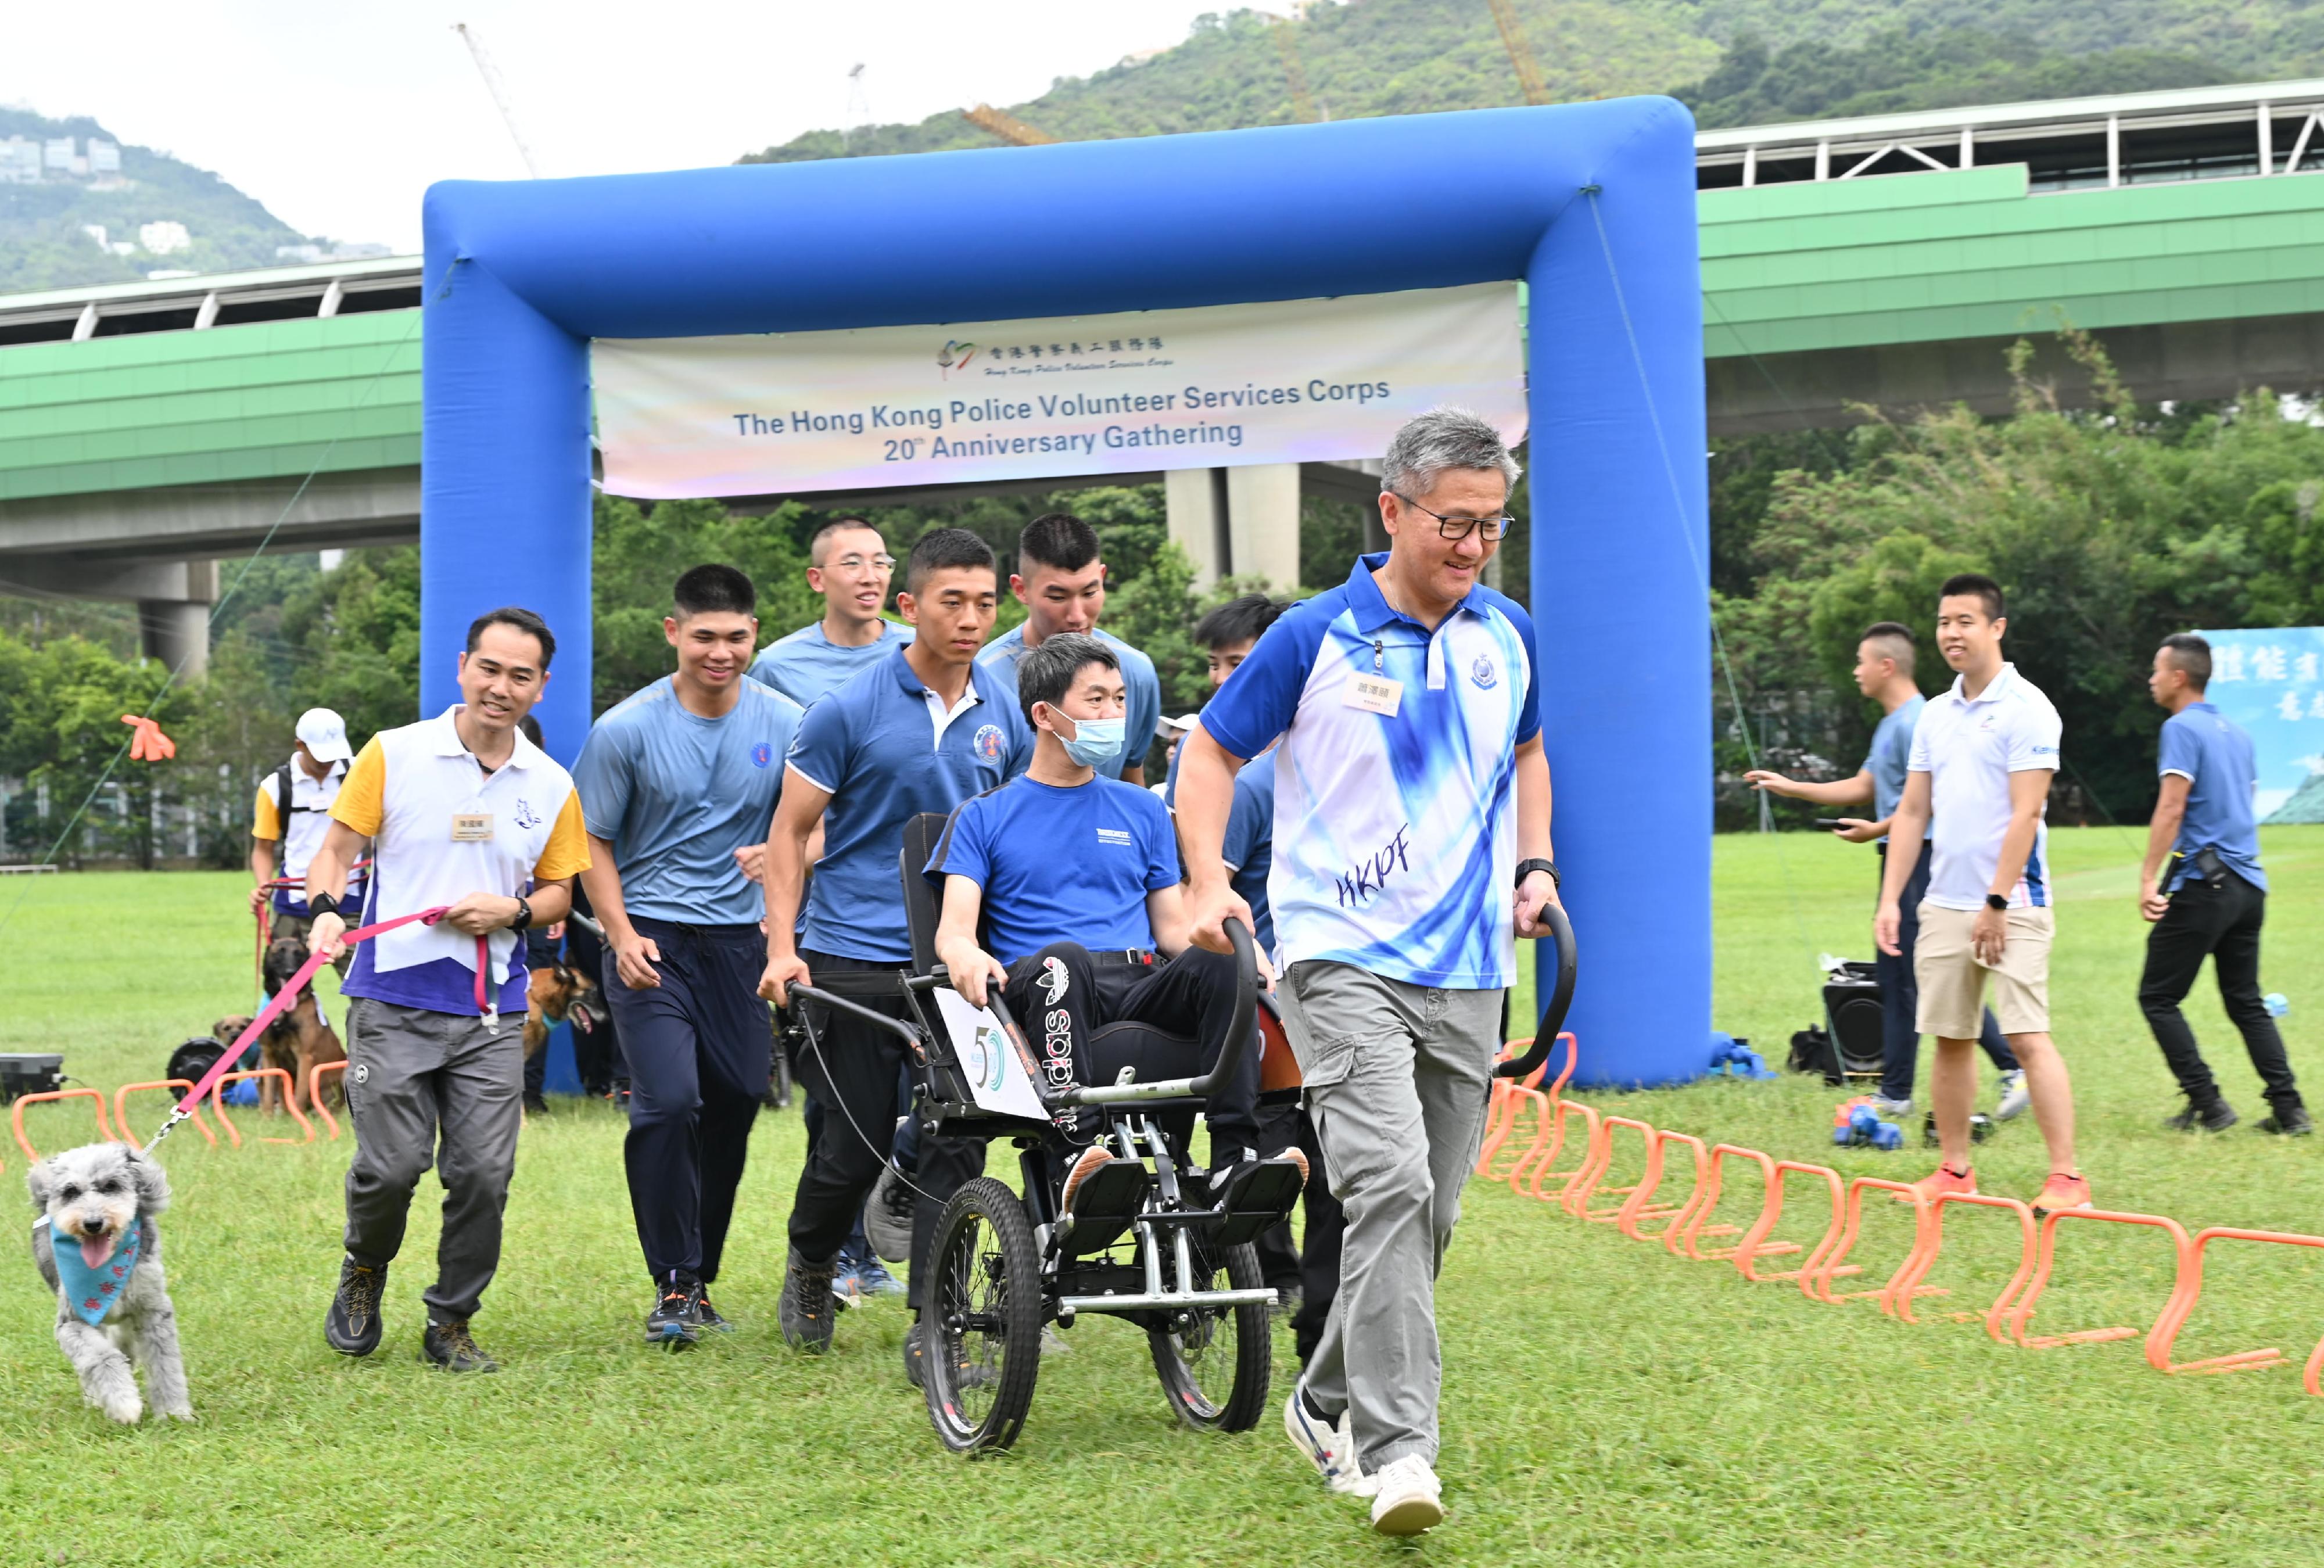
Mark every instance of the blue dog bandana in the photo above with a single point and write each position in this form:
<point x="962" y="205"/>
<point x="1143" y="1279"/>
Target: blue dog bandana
<point x="92" y="1292"/>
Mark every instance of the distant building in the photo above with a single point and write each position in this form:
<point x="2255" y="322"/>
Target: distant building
<point x="96" y="231"/>
<point x="360" y="250"/>
<point x="308" y="254"/>
<point x="164" y="238"/>
<point x="57" y="154"/>
<point x="104" y="157"/>
<point x="20" y="161"/>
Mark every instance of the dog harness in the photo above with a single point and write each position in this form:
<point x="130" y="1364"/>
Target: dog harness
<point x="91" y="1293"/>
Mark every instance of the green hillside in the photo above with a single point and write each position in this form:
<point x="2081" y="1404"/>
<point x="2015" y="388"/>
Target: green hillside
<point x="1736" y="61"/>
<point x="44" y="243"/>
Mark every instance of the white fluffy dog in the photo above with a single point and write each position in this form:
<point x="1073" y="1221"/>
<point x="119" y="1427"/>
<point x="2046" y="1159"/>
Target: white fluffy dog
<point x="97" y="1245"/>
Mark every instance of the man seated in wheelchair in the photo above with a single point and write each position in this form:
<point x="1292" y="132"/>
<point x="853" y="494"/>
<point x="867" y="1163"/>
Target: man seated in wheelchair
<point x="1072" y="876"/>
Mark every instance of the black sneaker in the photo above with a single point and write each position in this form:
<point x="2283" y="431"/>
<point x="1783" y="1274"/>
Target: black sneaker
<point x="806" y="1309"/>
<point x="2216" y="1117"/>
<point x="352" y="1325"/>
<point x="671" y="1321"/>
<point x="915" y="1346"/>
<point x="534" y="1105"/>
<point x="2288" y="1121"/>
<point x="450" y="1346"/>
<point x="701" y="1315"/>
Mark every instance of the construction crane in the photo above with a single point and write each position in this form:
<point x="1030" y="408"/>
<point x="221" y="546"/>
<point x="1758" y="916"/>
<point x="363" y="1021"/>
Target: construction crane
<point x="1008" y="127"/>
<point x="499" y="89"/>
<point x="1294" y="71"/>
<point x="1513" y="38"/>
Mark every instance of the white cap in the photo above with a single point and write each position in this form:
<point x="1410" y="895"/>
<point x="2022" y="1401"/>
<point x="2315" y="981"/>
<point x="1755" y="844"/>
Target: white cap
<point x="326" y="735"/>
<point x="1170" y="729"/>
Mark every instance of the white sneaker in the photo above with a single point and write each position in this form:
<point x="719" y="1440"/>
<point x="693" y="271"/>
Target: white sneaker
<point x="2014" y="1097"/>
<point x="1410" y="1498"/>
<point x="1890" y="1110"/>
<point x="1332" y="1450"/>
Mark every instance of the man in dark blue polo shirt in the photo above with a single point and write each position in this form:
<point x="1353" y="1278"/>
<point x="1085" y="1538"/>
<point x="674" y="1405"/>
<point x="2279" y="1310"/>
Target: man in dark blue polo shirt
<point x="923" y="729"/>
<point x="673" y="780"/>
<point x="2212" y="899"/>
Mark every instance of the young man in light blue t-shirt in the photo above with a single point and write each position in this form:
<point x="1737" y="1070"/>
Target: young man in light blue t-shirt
<point x="1884" y="658"/>
<point x="2212" y="899"/>
<point x="850" y="567"/>
<point x="673" y="780"/>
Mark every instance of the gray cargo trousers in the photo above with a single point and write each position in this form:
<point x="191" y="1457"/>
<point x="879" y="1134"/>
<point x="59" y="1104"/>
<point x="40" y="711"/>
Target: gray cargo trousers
<point x="1397" y="1077"/>
<point x="414" y="1076"/>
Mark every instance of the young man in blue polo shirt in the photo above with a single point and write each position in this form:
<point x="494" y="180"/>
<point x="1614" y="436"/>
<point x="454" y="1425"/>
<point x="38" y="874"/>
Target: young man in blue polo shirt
<point x="1412" y="844"/>
<point x="849" y="568"/>
<point x="922" y="730"/>
<point x="2212" y="900"/>
<point x="1061" y="582"/>
<point x="674" y="780"/>
<point x="1074" y="876"/>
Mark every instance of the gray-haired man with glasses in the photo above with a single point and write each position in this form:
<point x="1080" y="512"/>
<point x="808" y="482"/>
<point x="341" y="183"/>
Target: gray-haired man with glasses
<point x="849" y="565"/>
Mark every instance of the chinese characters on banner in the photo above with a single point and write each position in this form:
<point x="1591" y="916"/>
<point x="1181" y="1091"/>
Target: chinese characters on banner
<point x="1136" y="392"/>
<point x="2271" y="681"/>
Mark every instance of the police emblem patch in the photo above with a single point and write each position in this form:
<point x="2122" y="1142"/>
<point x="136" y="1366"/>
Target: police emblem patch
<point x="987" y="743"/>
<point x="1482" y="672"/>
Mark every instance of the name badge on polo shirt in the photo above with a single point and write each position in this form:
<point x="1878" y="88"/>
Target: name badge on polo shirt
<point x="472" y="827"/>
<point x="1374" y="694"/>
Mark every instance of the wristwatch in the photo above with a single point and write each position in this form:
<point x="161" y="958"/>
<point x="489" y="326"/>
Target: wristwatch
<point x="322" y="904"/>
<point x="1996" y="901"/>
<point x="523" y="914"/>
<point x="1525" y="868"/>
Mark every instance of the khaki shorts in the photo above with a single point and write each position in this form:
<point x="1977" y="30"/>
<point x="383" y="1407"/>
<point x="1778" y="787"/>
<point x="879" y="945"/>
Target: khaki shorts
<point x="1953" y="981"/>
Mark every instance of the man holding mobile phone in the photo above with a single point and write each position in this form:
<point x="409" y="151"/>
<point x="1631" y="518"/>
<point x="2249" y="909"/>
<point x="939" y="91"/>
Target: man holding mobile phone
<point x="1884" y="672"/>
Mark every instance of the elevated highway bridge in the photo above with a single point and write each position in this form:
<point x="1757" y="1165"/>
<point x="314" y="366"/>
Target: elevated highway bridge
<point x="147" y="431"/>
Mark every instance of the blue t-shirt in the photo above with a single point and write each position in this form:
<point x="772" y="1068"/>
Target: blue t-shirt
<point x="1892" y="749"/>
<point x="676" y="794"/>
<point x="872" y="745"/>
<point x="1396" y="842"/>
<point x="2214" y="754"/>
<point x="1250" y="847"/>
<point x="1061" y="864"/>
<point x="1142" y="688"/>
<point x="805" y="664"/>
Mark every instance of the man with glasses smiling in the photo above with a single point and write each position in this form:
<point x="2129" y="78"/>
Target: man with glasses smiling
<point x="850" y="567"/>
<point x="1412" y="846"/>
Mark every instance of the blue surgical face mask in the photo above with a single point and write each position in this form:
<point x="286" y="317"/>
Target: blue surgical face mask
<point x="1095" y="742"/>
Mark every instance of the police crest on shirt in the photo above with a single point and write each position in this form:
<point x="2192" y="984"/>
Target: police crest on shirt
<point x="1483" y="673"/>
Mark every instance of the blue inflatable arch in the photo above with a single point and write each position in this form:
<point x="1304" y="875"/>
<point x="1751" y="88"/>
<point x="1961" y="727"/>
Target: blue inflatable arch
<point x="1593" y="205"/>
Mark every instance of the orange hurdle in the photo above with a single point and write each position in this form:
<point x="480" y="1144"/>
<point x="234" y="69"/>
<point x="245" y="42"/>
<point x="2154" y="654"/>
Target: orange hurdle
<point x="1746" y="1261"/>
<point x="179" y="1086"/>
<point x="1817" y="1275"/>
<point x="1687" y="1221"/>
<point x="2024" y="1311"/>
<point x="1754" y="1245"/>
<point x="17" y="1119"/>
<point x="1540" y="1171"/>
<point x="1897" y="1299"/>
<point x="290" y="1098"/>
<point x="314" y="1093"/>
<point x="1500" y="1113"/>
<point x="2160" y="1338"/>
<point x="1576" y="1198"/>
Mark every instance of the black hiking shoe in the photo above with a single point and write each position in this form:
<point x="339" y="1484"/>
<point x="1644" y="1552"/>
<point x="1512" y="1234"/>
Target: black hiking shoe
<point x="701" y="1315"/>
<point x="2216" y="1117"/>
<point x="352" y="1325"/>
<point x="916" y="1345"/>
<point x="2289" y="1121"/>
<point x="805" y="1310"/>
<point x="450" y="1346"/>
<point x="670" y="1323"/>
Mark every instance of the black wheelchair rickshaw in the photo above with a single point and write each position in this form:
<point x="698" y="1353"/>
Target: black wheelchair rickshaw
<point x="1139" y="1245"/>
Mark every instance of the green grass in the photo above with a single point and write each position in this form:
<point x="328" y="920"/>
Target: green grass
<point x="1603" y="1402"/>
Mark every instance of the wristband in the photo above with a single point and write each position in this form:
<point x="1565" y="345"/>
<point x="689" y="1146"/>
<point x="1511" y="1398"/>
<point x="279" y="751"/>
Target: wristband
<point x="1527" y="868"/>
<point x="322" y="904"/>
<point x="1996" y="901"/>
<point x="523" y="914"/>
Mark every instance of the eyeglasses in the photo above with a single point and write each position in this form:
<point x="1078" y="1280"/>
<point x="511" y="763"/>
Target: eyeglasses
<point x="1459" y="528"/>
<point x="857" y="563"/>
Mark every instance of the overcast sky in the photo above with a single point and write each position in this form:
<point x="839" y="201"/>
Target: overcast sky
<point x="338" y="116"/>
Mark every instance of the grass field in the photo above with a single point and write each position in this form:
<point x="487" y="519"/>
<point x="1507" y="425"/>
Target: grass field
<point x="1604" y="1402"/>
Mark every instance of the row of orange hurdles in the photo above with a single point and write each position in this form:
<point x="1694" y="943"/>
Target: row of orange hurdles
<point x="1527" y="1164"/>
<point x="116" y="1125"/>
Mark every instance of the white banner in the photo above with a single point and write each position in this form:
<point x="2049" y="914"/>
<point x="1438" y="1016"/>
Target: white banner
<point x="1210" y="386"/>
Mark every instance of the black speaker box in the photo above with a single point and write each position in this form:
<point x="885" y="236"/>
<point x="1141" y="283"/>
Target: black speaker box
<point x="1851" y="1007"/>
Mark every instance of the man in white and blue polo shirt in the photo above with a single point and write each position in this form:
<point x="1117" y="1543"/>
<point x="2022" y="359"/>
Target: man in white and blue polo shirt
<point x="673" y="780"/>
<point x="850" y="567"/>
<point x="1061" y="582"/>
<point x="921" y="731"/>
<point x="2212" y="900"/>
<point x="1412" y="844"/>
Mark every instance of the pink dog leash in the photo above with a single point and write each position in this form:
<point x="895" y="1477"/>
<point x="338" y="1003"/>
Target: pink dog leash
<point x="288" y="997"/>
